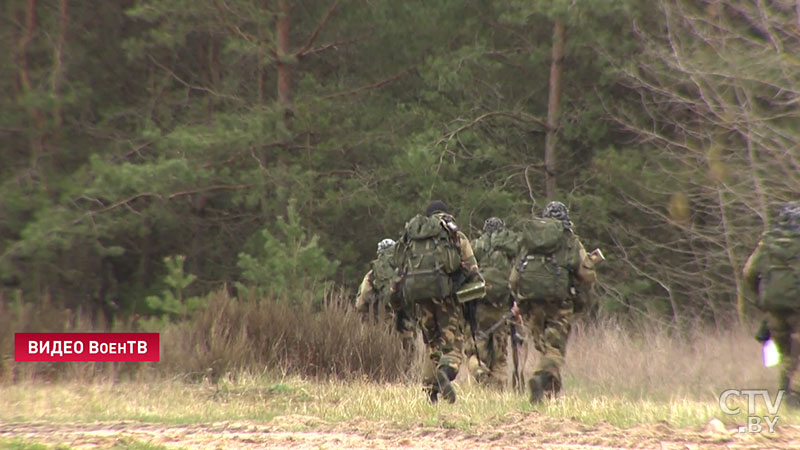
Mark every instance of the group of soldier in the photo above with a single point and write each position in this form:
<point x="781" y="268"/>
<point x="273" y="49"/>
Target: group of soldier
<point x="470" y="298"/>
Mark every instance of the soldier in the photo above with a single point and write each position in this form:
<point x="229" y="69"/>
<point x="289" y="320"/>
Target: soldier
<point x="546" y="283"/>
<point x="433" y="260"/>
<point x="374" y="296"/>
<point x="495" y="251"/>
<point x="772" y="280"/>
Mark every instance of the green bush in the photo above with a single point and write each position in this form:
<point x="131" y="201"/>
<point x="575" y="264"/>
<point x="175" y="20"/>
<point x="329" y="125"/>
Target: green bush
<point x="172" y="303"/>
<point x="287" y="262"/>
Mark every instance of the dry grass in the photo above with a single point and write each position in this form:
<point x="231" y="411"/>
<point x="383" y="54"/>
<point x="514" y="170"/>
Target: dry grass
<point x="249" y="360"/>
<point x="263" y="399"/>
<point x="232" y="336"/>
<point x="229" y="336"/>
<point x="653" y="362"/>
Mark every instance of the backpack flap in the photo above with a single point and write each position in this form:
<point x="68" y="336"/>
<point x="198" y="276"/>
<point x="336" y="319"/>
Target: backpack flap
<point x="542" y="236"/>
<point x="504" y="242"/>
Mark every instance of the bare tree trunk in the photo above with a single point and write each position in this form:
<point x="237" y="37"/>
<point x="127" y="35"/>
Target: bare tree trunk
<point x="283" y="50"/>
<point x="553" y="108"/>
<point x="25" y="80"/>
<point x="58" y="62"/>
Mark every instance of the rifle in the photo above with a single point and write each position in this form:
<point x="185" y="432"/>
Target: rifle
<point x="516" y="340"/>
<point x="484" y="334"/>
<point x="471" y="316"/>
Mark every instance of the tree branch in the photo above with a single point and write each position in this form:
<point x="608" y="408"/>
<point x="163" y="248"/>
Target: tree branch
<point x="328" y="46"/>
<point x="315" y="33"/>
<point x="370" y="86"/>
<point x="125" y="202"/>
<point x="520" y="116"/>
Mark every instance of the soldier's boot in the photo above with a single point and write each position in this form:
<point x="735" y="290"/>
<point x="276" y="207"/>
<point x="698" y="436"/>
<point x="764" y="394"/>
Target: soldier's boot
<point x="543" y="385"/>
<point x="443" y="377"/>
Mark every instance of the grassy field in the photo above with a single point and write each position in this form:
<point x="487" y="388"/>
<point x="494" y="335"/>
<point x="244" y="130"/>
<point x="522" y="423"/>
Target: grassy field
<point x="300" y="405"/>
<point x="613" y="378"/>
<point x="263" y="399"/>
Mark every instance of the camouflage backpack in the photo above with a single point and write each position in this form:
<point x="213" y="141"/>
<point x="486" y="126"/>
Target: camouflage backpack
<point x="779" y="287"/>
<point x="547" y="257"/>
<point x="383" y="275"/>
<point x="496" y="254"/>
<point x="427" y="257"/>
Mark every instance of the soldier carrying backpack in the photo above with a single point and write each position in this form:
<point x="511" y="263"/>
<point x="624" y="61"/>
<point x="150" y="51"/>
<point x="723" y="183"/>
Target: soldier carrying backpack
<point x="375" y="292"/>
<point x="434" y="260"/>
<point x="551" y="271"/>
<point x="496" y="251"/>
<point x="772" y="282"/>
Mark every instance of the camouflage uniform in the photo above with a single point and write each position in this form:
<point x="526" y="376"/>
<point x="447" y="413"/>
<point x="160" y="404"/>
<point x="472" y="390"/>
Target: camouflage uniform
<point x="782" y="326"/>
<point x="442" y="323"/>
<point x="372" y="305"/>
<point x="550" y="320"/>
<point x="488" y="358"/>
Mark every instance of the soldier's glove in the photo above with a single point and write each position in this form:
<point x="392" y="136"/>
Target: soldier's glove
<point x="763" y="334"/>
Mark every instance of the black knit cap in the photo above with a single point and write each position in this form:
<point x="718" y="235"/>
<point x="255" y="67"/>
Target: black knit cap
<point x="436" y="206"/>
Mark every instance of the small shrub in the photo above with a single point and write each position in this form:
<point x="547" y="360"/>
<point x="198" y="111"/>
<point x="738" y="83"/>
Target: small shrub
<point x="286" y="263"/>
<point x="172" y="303"/>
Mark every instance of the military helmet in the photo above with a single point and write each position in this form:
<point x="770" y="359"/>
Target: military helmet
<point x="384" y="244"/>
<point x="493" y="225"/>
<point x="556" y="210"/>
<point x="789" y="216"/>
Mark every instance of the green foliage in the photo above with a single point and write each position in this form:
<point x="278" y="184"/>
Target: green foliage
<point x="158" y="131"/>
<point x="173" y="301"/>
<point x="287" y="262"/>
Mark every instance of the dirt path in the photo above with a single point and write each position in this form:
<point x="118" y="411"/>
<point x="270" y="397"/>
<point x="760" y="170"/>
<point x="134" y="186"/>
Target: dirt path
<point x="303" y="432"/>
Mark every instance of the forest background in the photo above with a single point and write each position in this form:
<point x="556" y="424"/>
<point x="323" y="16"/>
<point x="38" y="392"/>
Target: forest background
<point x="154" y="152"/>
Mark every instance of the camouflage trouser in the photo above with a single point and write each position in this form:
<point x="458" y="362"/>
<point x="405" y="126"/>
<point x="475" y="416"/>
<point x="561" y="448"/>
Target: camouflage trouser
<point x="549" y="323"/>
<point x="492" y="369"/>
<point x="785" y="331"/>
<point x="382" y="312"/>
<point x="404" y="324"/>
<point x="442" y="325"/>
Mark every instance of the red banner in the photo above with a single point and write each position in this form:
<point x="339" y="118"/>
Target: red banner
<point x="87" y="347"/>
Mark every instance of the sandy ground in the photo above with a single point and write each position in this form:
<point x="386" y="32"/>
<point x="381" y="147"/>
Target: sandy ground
<point x="531" y="430"/>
